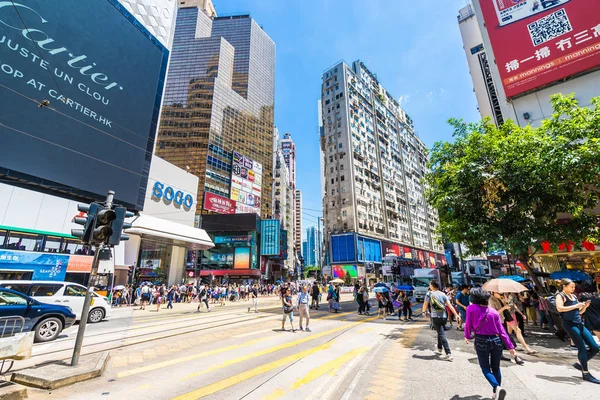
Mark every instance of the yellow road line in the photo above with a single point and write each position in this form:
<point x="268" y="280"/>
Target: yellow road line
<point x="175" y="361"/>
<point x="253" y="333"/>
<point x="276" y="348"/>
<point x="335" y="315"/>
<point x="330" y="367"/>
<point x="234" y="380"/>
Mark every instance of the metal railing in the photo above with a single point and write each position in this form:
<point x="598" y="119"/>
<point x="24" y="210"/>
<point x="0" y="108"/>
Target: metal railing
<point x="9" y="326"/>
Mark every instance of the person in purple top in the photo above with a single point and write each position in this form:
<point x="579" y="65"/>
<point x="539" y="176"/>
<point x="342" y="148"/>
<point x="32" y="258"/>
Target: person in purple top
<point x="483" y="323"/>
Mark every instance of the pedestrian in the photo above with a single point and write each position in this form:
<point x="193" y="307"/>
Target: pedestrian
<point x="509" y="310"/>
<point x="592" y="314"/>
<point x="484" y="324"/>
<point x="170" y="297"/>
<point x="203" y="298"/>
<point x="254" y="297"/>
<point x="158" y="298"/>
<point x="145" y="296"/>
<point x="462" y="302"/>
<point x="288" y="309"/>
<point x="302" y="305"/>
<point x="439" y="302"/>
<point x="571" y="310"/>
<point x="358" y="296"/>
<point x="331" y="297"/>
<point x="406" y="306"/>
<point x="365" y="293"/>
<point x="316" y="293"/>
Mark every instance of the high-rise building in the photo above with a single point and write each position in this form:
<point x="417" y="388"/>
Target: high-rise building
<point x="311" y="252"/>
<point x="298" y="221"/>
<point x="288" y="148"/>
<point x="553" y="49"/>
<point x="158" y="16"/>
<point x="283" y="200"/>
<point x="219" y="101"/>
<point x="374" y="164"/>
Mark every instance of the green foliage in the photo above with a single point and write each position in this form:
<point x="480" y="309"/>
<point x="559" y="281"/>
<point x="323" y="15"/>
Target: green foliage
<point x="347" y="280"/>
<point x="515" y="187"/>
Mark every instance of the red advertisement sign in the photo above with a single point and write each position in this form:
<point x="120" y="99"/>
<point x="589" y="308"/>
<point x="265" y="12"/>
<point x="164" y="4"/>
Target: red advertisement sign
<point x="537" y="42"/>
<point x="391" y="249"/>
<point x="218" y="204"/>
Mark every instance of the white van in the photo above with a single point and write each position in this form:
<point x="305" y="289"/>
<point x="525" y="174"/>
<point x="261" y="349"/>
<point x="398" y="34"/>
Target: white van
<point x="63" y="293"/>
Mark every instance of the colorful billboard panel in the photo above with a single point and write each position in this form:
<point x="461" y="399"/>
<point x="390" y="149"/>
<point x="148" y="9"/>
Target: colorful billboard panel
<point x="537" y="42"/>
<point x="270" y="235"/>
<point x="241" y="258"/>
<point x="246" y="181"/>
<point x="340" y="271"/>
<point x="218" y="204"/>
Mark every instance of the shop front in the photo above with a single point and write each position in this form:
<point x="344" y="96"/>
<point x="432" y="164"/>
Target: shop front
<point x="235" y="256"/>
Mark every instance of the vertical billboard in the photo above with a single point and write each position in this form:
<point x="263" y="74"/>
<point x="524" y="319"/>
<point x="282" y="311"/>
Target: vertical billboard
<point x="270" y="236"/>
<point x="538" y="42"/>
<point x="246" y="184"/>
<point x="241" y="258"/>
<point x="81" y="84"/>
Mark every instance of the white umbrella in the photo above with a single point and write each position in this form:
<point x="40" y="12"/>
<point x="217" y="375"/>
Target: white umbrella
<point x="504" y="286"/>
<point x="119" y="287"/>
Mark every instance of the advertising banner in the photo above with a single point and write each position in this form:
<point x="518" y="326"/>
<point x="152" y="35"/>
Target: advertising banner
<point x="246" y="181"/>
<point x="242" y="258"/>
<point x="269" y="237"/>
<point x="218" y="204"/>
<point x="45" y="266"/>
<point x="390" y="249"/>
<point x="340" y="271"/>
<point x="538" y="42"/>
<point x="98" y="91"/>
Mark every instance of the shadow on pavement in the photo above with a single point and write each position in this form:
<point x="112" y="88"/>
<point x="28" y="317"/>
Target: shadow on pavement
<point x="562" y="379"/>
<point x="457" y="397"/>
<point x="428" y="358"/>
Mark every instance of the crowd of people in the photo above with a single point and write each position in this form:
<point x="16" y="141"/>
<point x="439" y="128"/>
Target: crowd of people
<point x="491" y="319"/>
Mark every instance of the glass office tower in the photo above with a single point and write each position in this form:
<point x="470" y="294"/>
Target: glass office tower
<point x="219" y="98"/>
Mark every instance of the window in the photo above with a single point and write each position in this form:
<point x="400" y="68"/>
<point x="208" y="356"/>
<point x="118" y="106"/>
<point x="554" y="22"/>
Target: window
<point x="19" y="287"/>
<point x="44" y="290"/>
<point x="11" y="299"/>
<point x="339" y="146"/>
<point x="71" y="246"/>
<point x="2" y="237"/>
<point x="331" y="169"/>
<point x="24" y="241"/>
<point x="52" y="244"/>
<point x="332" y="181"/>
<point x="344" y="213"/>
<point x="73" y="290"/>
<point x="342" y="178"/>
<point x="342" y="167"/>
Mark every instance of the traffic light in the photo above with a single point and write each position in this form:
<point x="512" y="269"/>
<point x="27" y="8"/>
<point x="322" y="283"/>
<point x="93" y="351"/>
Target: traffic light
<point x="118" y="225"/>
<point x="85" y="234"/>
<point x="103" y="225"/>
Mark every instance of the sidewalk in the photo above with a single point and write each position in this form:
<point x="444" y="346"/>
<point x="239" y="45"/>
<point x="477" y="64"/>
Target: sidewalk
<point x="408" y="367"/>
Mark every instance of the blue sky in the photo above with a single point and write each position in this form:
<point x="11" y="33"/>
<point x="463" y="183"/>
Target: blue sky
<point x="414" y="47"/>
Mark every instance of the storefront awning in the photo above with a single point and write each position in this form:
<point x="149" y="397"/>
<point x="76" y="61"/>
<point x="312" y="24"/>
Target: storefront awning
<point x="169" y="232"/>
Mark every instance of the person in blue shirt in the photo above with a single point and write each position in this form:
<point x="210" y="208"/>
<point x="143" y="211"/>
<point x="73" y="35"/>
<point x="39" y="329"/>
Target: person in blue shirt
<point x="462" y="302"/>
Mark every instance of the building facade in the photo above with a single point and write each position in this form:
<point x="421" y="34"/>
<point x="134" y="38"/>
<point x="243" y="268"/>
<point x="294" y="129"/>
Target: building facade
<point x="158" y="16"/>
<point x="311" y="251"/>
<point x="374" y="164"/>
<point x="219" y="101"/>
<point x="298" y="221"/>
<point x="554" y="44"/>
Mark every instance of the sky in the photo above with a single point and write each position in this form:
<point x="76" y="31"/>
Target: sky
<point x="414" y="47"/>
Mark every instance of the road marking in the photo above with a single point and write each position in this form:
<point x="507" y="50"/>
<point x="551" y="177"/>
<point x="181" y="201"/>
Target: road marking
<point x="348" y="393"/>
<point x="253" y="333"/>
<point x="335" y="315"/>
<point x="330" y="367"/>
<point x="175" y="361"/>
<point x="276" y="348"/>
<point x="244" y="376"/>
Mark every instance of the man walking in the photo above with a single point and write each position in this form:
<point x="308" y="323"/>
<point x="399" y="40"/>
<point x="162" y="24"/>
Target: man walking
<point x="462" y="302"/>
<point x="439" y="302"/>
<point x="203" y="298"/>
<point x="254" y="297"/>
<point x="315" y="295"/>
<point x="302" y="305"/>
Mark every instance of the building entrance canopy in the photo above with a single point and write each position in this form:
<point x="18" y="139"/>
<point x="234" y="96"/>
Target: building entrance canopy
<point x="170" y="233"/>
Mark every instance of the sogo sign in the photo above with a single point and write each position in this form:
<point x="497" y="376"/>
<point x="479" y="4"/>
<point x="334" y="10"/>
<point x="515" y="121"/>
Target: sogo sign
<point x="159" y="191"/>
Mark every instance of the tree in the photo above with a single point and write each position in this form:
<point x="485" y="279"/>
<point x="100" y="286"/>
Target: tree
<point x="515" y="187"/>
<point x="347" y="279"/>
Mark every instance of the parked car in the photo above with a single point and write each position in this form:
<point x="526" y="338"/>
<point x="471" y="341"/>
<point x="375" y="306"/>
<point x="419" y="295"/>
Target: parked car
<point x="65" y="293"/>
<point x="46" y="320"/>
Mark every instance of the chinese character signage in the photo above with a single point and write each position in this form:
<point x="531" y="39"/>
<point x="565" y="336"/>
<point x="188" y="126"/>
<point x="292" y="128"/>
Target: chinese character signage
<point x="218" y="204"/>
<point x="45" y="266"/>
<point x="246" y="183"/>
<point x="538" y="42"/>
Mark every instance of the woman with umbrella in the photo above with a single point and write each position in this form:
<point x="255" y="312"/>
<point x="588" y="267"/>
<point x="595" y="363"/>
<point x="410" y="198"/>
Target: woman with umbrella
<point x="331" y="296"/>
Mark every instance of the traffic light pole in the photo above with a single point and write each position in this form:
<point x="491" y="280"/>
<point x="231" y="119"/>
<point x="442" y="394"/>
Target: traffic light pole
<point x="88" y="294"/>
<point x="86" y="309"/>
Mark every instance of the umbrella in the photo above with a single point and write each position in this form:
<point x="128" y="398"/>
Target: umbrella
<point x="119" y="287"/>
<point x="380" y="290"/>
<point x="381" y="284"/>
<point x="337" y="280"/>
<point x="515" y="278"/>
<point x="406" y="287"/>
<point x="504" y="286"/>
<point x="574" y="275"/>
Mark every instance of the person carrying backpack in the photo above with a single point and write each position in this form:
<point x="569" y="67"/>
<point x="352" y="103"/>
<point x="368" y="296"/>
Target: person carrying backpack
<point x="203" y="298"/>
<point x="439" y="302"/>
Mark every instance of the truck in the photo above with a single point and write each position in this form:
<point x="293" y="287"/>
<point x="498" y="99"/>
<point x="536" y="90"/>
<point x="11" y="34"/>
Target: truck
<point x="421" y="279"/>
